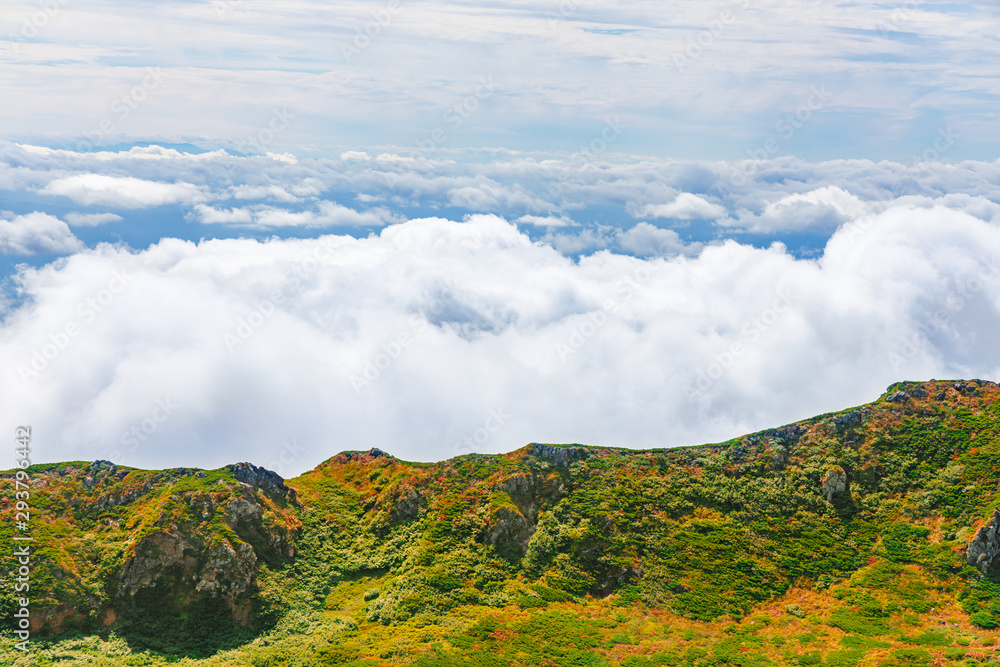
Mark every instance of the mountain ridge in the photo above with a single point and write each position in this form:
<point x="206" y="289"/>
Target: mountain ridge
<point x="202" y="563"/>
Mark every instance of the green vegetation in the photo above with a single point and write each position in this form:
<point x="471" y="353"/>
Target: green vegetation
<point x="836" y="542"/>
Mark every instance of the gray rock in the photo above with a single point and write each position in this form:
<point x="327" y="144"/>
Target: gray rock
<point x="849" y="420"/>
<point x="508" y="528"/>
<point x="560" y="456"/>
<point x="261" y="478"/>
<point x="836" y="486"/>
<point x="984" y="549"/>
<point x="407" y="505"/>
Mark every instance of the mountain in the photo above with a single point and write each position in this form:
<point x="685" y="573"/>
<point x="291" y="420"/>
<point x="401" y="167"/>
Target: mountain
<point x="863" y="537"/>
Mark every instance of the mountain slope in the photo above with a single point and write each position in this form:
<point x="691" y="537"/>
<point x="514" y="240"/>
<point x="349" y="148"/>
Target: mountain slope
<point x="856" y="530"/>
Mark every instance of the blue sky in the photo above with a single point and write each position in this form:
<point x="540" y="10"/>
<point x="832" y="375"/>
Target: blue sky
<point x="445" y="227"/>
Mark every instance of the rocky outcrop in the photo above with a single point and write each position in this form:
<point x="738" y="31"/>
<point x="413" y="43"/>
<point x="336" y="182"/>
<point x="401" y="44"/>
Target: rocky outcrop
<point x="155" y="555"/>
<point x="848" y="420"/>
<point x="182" y="568"/>
<point x="246" y="517"/>
<point x="228" y="571"/>
<point x="560" y="456"/>
<point x="835" y="486"/>
<point x="509" y="531"/>
<point x="261" y="478"/>
<point x="983" y="551"/>
<point x="186" y="557"/>
<point x="407" y="504"/>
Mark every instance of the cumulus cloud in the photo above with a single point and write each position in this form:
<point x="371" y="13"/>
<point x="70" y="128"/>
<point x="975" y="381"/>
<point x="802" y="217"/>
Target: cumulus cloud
<point x="326" y="214"/>
<point x="822" y="209"/>
<point x="406" y="339"/>
<point x="546" y="221"/>
<point x="120" y="191"/>
<point x="210" y="215"/>
<point x="36" y="233"/>
<point x="776" y="198"/>
<point x="685" y="206"/>
<point x="91" y="219"/>
<point x="645" y="240"/>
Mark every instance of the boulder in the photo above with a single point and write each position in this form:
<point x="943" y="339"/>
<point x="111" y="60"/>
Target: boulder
<point x="836" y="486"/>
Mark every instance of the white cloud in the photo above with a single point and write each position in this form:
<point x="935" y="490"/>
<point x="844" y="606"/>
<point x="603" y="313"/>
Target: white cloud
<point x="822" y="209"/>
<point x="120" y="191"/>
<point x="354" y="155"/>
<point x="685" y="206"/>
<point x="780" y="195"/>
<point x="547" y="221"/>
<point x="452" y="320"/>
<point x="210" y="215"/>
<point x="36" y="233"/>
<point x="325" y="214"/>
<point x="646" y="240"/>
<point x="91" y="219"/>
<point x="274" y="192"/>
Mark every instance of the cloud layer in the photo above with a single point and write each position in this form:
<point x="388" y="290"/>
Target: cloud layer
<point x="640" y="206"/>
<point x="206" y="353"/>
<point x="721" y="80"/>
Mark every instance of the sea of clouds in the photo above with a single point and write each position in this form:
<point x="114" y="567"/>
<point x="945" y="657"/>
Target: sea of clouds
<point x="168" y="308"/>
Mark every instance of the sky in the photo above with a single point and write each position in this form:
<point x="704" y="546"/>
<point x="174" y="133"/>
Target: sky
<point x="273" y="231"/>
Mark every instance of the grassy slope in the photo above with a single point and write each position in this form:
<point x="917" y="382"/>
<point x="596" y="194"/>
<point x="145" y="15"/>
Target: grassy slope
<point x="720" y="554"/>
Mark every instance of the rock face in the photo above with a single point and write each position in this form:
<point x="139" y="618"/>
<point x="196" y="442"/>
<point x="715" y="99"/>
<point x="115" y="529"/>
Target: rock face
<point x="261" y="478"/>
<point x="983" y="551"/>
<point x="836" y="486"/>
<point x="849" y="420"/>
<point x="509" y="529"/>
<point x="186" y="557"/>
<point x="560" y="456"/>
<point x="221" y="569"/>
<point x="407" y="505"/>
